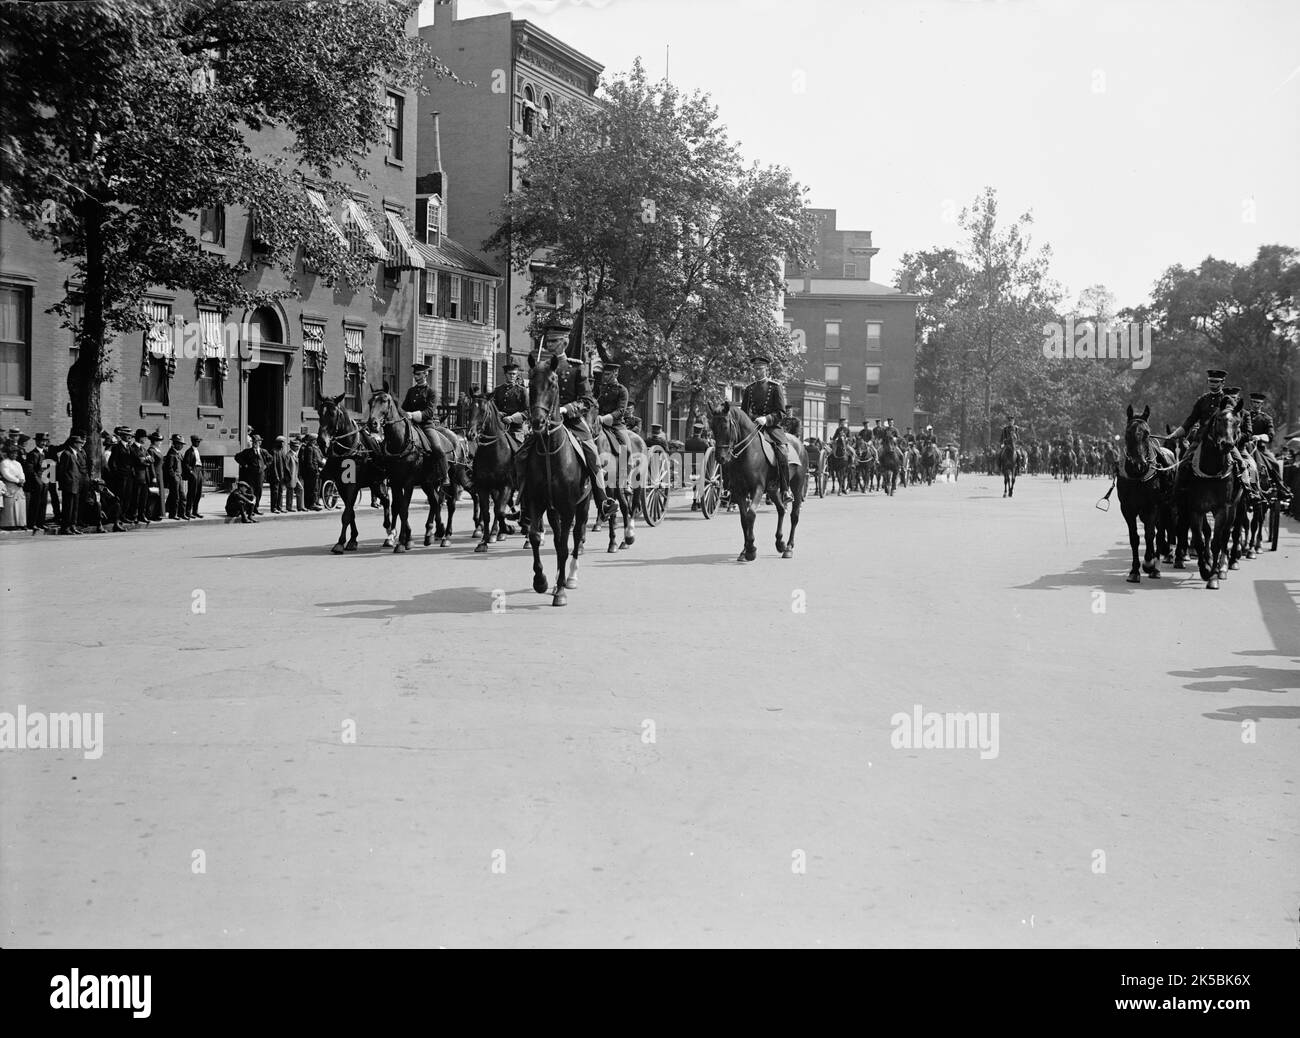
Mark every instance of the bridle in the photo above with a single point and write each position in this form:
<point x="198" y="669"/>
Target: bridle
<point x="406" y="432"/>
<point x="733" y="450"/>
<point x="353" y="431"/>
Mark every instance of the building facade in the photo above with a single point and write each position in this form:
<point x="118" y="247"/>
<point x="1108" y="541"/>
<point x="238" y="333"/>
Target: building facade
<point x="857" y="337"/>
<point x="524" y="78"/>
<point x="261" y="369"/>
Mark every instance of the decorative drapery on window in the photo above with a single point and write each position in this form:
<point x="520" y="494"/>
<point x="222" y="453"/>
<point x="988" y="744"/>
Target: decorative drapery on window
<point x="159" y="343"/>
<point x="313" y="341"/>
<point x="212" y="347"/>
<point x="367" y="241"/>
<point x="353" y="351"/>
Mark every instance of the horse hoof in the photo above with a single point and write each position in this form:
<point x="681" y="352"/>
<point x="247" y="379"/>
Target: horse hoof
<point x="398" y="549"/>
<point x="742" y="557"/>
<point x="571" y="583"/>
<point x="1233" y="565"/>
<point x="1134" y="578"/>
<point x="751" y="554"/>
<point x="427" y="540"/>
<point x="611" y="550"/>
<point x="625" y="545"/>
<point x="480" y="548"/>
<point x="629" y="539"/>
<point x="560" y="599"/>
<point x="337" y="550"/>
<point x="788" y="553"/>
<point x="351" y="546"/>
<point x="444" y="542"/>
<point x="540" y="585"/>
<point x="1212" y="584"/>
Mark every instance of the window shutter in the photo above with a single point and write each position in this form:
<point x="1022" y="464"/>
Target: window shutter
<point x="466" y="374"/>
<point x="446" y="378"/>
<point x="444" y="296"/>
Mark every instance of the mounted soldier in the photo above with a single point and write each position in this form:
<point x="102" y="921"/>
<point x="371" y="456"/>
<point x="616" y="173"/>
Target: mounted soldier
<point x="1262" y="431"/>
<point x="576" y="401"/>
<point x="843" y="432"/>
<point x="1207" y="405"/>
<point x="764" y="401"/>
<point x="511" y="401"/>
<point x="611" y="404"/>
<point x="419" y="404"/>
<point x="1009" y="431"/>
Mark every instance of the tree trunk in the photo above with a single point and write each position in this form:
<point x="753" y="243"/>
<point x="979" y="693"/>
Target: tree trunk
<point x="85" y="376"/>
<point x="988" y="414"/>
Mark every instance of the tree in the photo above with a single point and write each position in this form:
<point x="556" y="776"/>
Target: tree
<point x="122" y="120"/>
<point x="646" y="207"/>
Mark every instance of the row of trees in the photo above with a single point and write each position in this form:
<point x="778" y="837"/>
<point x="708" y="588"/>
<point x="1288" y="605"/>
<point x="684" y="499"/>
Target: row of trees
<point x="980" y="334"/>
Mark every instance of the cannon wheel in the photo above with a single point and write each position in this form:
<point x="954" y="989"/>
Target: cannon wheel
<point x="654" y="496"/>
<point x="329" y="494"/>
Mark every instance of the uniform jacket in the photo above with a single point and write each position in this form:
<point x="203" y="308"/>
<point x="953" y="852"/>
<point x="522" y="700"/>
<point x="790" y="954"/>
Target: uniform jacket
<point x="1206" y="407"/>
<point x="1261" y="422"/>
<point x="510" y="399"/>
<point x="1008" y="432"/>
<point x="764" y="399"/>
<point x="613" y="401"/>
<point x="697" y="446"/>
<point x="421" y="398"/>
<point x="575" y="389"/>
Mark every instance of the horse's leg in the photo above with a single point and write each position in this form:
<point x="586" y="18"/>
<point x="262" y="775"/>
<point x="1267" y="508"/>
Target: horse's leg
<point x="435" y="512"/>
<point x="629" y="519"/>
<point x="483" y="507"/>
<point x="579" y="536"/>
<point x="747" y="515"/>
<point x="561" y="529"/>
<point x="780" y="527"/>
<point x="1130" y="520"/>
<point x="339" y="548"/>
<point x="1150" y="568"/>
<point x="453" y="492"/>
<point x="402" y="502"/>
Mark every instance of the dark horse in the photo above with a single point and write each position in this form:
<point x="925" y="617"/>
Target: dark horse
<point x="407" y="460"/>
<point x="349" y="463"/>
<point x="1211" y="492"/>
<point x="1007" y="465"/>
<point x="632" y="466"/>
<point x="494" y="469"/>
<point x="555" y="480"/>
<point x="843" y="461"/>
<point x="891" y="462"/>
<point x="748" y="475"/>
<point x="930" y="459"/>
<point x="1144" y="478"/>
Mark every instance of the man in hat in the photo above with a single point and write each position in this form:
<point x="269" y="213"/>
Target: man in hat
<point x="611" y="403"/>
<point x="310" y="462"/>
<point x="173" y="484"/>
<point x="154" y="501"/>
<point x="73" y="477"/>
<point x="252" y="462"/>
<point x="699" y="441"/>
<point x="419" y="404"/>
<point x="843" y="432"/>
<point x="1262" y="430"/>
<point x="511" y="401"/>
<point x="43" y="485"/>
<point x="192" y="474"/>
<point x="277" y="474"/>
<point x="1009" y="431"/>
<point x="575" y="402"/>
<point x="656" y="437"/>
<point x="764" y="401"/>
<point x="1207" y="405"/>
<point x="138" y="485"/>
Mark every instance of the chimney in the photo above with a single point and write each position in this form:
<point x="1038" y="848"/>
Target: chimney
<point x="444" y="11"/>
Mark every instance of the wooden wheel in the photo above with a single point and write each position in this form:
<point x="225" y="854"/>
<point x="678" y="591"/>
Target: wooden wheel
<point x="654" y="496"/>
<point x="329" y="494"/>
<point x="709" y="497"/>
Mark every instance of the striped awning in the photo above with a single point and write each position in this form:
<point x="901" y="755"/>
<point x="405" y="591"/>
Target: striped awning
<point x="313" y="338"/>
<point x="210" y="333"/>
<point x="402" y="254"/>
<point x="159" y="334"/>
<point x="357" y="216"/>
<point x="353" y="351"/>
<point x="327" y="220"/>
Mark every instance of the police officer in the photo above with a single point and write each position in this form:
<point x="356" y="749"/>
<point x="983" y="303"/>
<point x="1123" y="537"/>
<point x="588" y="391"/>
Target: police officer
<point x="1207" y="405"/>
<point x="764" y="401"/>
<point x="575" y="402"/>
<point x="656" y="437"/>
<point x="511" y="400"/>
<point x="419" y="404"/>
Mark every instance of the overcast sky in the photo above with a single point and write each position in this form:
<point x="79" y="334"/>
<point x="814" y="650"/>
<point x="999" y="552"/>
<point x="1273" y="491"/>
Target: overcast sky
<point x="1140" y="133"/>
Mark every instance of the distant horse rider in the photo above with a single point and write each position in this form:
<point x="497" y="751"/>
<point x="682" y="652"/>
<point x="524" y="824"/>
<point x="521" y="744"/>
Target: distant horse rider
<point x="419" y="406"/>
<point x="764" y="401"/>
<point x="511" y="401"/>
<point x="1262" y="431"/>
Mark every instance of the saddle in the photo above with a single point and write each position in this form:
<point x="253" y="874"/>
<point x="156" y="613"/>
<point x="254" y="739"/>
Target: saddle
<point x="791" y="446"/>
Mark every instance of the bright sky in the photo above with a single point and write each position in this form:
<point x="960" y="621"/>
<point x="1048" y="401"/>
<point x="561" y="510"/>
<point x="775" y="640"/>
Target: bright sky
<point x="1141" y="133"/>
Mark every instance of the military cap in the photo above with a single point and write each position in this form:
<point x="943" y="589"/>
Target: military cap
<point x="1215" y="374"/>
<point x="760" y="358"/>
<point x="419" y="367"/>
<point x="1261" y="397"/>
<point x="512" y="366"/>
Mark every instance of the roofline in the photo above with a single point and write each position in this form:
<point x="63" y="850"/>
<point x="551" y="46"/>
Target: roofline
<point x="898" y="297"/>
<point x="574" y="55"/>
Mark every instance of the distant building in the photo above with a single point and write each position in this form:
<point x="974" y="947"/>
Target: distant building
<point x="329" y="341"/>
<point x="858" y="336"/>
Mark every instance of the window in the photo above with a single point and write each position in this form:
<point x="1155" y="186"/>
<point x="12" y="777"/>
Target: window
<point x="832" y="335"/>
<point x="393" y="109"/>
<point x="450" y="381"/>
<point x="873" y="334"/>
<point x="453" y="298"/>
<point x="873" y="379"/>
<point x="546" y="114"/>
<point x="432" y="221"/>
<point x="158" y="363"/>
<point x="850" y="270"/>
<point x="832" y="374"/>
<point x="491" y="305"/>
<point x="208" y="373"/>
<point x="15" y="341"/>
<point x="529" y="112"/>
<point x="429" y="305"/>
<point x="311" y="380"/>
<point x="476" y="301"/>
<point x="392" y="345"/>
<point x="212" y="225"/>
<point x="352" y="385"/>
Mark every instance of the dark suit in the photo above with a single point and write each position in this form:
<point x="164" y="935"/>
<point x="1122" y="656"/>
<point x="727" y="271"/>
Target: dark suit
<point x="252" y="462"/>
<point x="277" y="474"/>
<point x="73" y="477"/>
<point x="310" y="462"/>
<point x="138" y="484"/>
<point x="766" y="399"/>
<point x="192" y="474"/>
<point x="173" y="483"/>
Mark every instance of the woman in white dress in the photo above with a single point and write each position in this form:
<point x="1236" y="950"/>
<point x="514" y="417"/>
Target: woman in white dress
<point x="13" y="514"/>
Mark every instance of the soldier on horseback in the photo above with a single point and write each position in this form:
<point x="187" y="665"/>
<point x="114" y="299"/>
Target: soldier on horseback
<point x="1262" y="431"/>
<point x="1207" y="405"/>
<point x="511" y="400"/>
<point x="1009" y="431"/>
<point x="419" y="406"/>
<point x="611" y="405"/>
<point x="764" y="401"/>
<point x="843" y="432"/>
<point x="576" y="401"/>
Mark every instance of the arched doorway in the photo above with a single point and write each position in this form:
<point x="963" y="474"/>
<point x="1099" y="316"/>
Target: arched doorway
<point x="265" y="375"/>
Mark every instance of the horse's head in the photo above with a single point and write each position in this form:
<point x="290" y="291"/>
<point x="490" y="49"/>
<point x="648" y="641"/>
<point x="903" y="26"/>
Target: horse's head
<point x="1225" y="426"/>
<point x="333" y="415"/>
<point x="544" y="388"/>
<point x="382" y="408"/>
<point x="726" y="430"/>
<point x="479" y="412"/>
<point x="1137" y="433"/>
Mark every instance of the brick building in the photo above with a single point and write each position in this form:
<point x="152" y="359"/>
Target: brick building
<point x="858" y="336"/>
<point x="328" y="341"/>
<point x="524" y="78"/>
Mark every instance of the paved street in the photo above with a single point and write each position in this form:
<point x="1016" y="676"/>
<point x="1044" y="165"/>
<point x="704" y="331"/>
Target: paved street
<point x="681" y="757"/>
